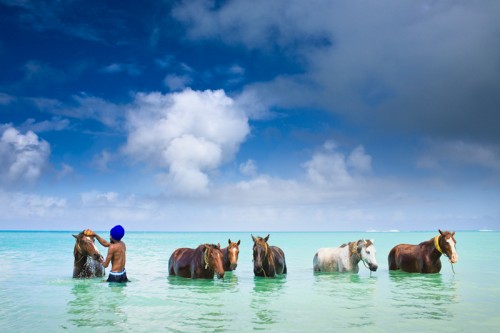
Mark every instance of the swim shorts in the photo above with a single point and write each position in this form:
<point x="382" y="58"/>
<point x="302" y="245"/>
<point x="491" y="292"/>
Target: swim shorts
<point x="118" y="276"/>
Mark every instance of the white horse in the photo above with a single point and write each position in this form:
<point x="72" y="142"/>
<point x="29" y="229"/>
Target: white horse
<point x="346" y="257"/>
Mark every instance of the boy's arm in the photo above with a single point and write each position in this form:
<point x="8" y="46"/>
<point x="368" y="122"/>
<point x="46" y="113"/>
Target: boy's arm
<point x="105" y="263"/>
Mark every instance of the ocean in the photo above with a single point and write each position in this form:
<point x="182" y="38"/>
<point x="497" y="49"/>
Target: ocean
<point x="38" y="293"/>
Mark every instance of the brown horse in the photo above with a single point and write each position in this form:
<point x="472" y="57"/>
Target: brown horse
<point x="424" y="257"/>
<point x="268" y="261"/>
<point x="200" y="263"/>
<point x="88" y="260"/>
<point x="230" y="255"/>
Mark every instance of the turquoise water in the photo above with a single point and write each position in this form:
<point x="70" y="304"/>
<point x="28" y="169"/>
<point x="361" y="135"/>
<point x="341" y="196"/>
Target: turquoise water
<point x="37" y="292"/>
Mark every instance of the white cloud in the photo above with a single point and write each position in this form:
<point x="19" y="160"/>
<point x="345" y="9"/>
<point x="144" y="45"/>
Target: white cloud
<point x="55" y="124"/>
<point x="177" y="82"/>
<point x="6" y="99"/>
<point x="130" y="69"/>
<point x="249" y="168"/>
<point x="23" y="205"/>
<point x="330" y="167"/>
<point x="102" y="160"/>
<point x="22" y="156"/>
<point x="189" y="133"/>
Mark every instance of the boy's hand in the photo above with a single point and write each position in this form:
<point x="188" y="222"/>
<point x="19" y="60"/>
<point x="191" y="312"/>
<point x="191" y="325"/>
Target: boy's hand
<point x="88" y="232"/>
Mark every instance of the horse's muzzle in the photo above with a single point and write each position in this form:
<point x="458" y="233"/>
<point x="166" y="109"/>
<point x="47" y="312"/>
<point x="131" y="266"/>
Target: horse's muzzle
<point x="454" y="259"/>
<point x="372" y="267"/>
<point x="220" y="275"/>
<point x="233" y="266"/>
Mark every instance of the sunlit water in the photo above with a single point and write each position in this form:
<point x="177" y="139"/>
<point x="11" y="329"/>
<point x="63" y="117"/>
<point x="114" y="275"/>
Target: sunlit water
<point x="38" y="294"/>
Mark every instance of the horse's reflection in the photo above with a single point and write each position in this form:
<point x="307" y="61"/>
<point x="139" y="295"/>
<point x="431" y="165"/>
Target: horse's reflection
<point x="424" y="296"/>
<point x="93" y="308"/>
<point x="264" y="301"/>
<point x="355" y="291"/>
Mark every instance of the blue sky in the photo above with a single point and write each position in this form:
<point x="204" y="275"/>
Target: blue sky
<point x="250" y="115"/>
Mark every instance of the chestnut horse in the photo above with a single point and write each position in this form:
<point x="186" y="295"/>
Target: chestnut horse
<point x="88" y="260"/>
<point x="230" y="255"/>
<point x="424" y="257"/>
<point x="200" y="263"/>
<point x="268" y="261"/>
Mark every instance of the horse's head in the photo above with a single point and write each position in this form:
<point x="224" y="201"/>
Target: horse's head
<point x="212" y="255"/>
<point x="260" y="252"/>
<point x="447" y="243"/>
<point x="85" y="246"/>
<point x="233" y="251"/>
<point x="366" y="251"/>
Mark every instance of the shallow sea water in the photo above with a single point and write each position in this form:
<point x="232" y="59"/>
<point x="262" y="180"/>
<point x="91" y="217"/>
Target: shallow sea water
<point x="37" y="292"/>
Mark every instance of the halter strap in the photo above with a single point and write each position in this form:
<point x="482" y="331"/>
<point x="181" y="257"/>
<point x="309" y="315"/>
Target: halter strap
<point x="436" y="244"/>
<point x="205" y="258"/>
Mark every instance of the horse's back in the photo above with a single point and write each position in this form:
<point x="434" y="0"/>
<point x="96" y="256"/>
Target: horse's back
<point x="180" y="262"/>
<point x="326" y="259"/>
<point x="405" y="257"/>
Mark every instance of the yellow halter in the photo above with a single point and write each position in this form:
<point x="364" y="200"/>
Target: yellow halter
<point x="436" y="244"/>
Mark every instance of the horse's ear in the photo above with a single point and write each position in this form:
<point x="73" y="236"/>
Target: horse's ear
<point x="206" y="247"/>
<point x="75" y="236"/>
<point x="440" y="231"/>
<point x="453" y="233"/>
<point x="238" y="242"/>
<point x="229" y="241"/>
<point x="218" y="245"/>
<point x="253" y="238"/>
<point x="267" y="237"/>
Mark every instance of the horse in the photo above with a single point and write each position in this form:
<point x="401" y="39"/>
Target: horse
<point x="230" y="255"/>
<point x="424" y="257"/>
<point x="346" y="257"/>
<point x="268" y="261"/>
<point x="88" y="259"/>
<point x="200" y="263"/>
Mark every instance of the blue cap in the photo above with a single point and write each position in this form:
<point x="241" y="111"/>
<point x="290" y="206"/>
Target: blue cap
<point x="117" y="232"/>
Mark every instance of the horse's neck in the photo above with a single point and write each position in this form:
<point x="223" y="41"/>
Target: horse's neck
<point x="353" y="255"/>
<point x="431" y="249"/>
<point x="269" y="262"/>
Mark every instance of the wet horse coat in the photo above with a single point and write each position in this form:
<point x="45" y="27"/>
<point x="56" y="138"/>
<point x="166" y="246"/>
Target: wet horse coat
<point x="346" y="257"/>
<point x="230" y="255"/>
<point x="268" y="261"/>
<point x="87" y="263"/>
<point x="201" y="263"/>
<point x="424" y="257"/>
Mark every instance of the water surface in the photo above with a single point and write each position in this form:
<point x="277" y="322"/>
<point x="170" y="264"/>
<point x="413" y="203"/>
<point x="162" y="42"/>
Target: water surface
<point x="39" y="294"/>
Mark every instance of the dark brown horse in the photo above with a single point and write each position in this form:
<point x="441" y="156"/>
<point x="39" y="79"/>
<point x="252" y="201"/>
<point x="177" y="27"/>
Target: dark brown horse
<point x="230" y="255"/>
<point x="87" y="262"/>
<point x="200" y="263"/>
<point x="268" y="261"/>
<point x="424" y="257"/>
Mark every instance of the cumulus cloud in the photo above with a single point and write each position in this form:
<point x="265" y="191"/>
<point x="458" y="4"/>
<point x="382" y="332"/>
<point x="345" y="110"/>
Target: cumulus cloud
<point x="188" y="134"/>
<point x="331" y="167"/>
<point x="22" y="156"/>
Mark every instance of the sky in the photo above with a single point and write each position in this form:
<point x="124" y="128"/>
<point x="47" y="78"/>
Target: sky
<point x="235" y="115"/>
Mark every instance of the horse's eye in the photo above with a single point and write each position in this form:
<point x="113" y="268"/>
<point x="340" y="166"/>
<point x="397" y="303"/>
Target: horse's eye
<point x="367" y="252"/>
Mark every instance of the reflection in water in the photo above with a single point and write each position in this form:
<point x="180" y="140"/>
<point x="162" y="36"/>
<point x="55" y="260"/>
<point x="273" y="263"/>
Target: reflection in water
<point x="423" y="295"/>
<point x="350" y="296"/>
<point x="97" y="307"/>
<point x="213" y="312"/>
<point x="264" y="299"/>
